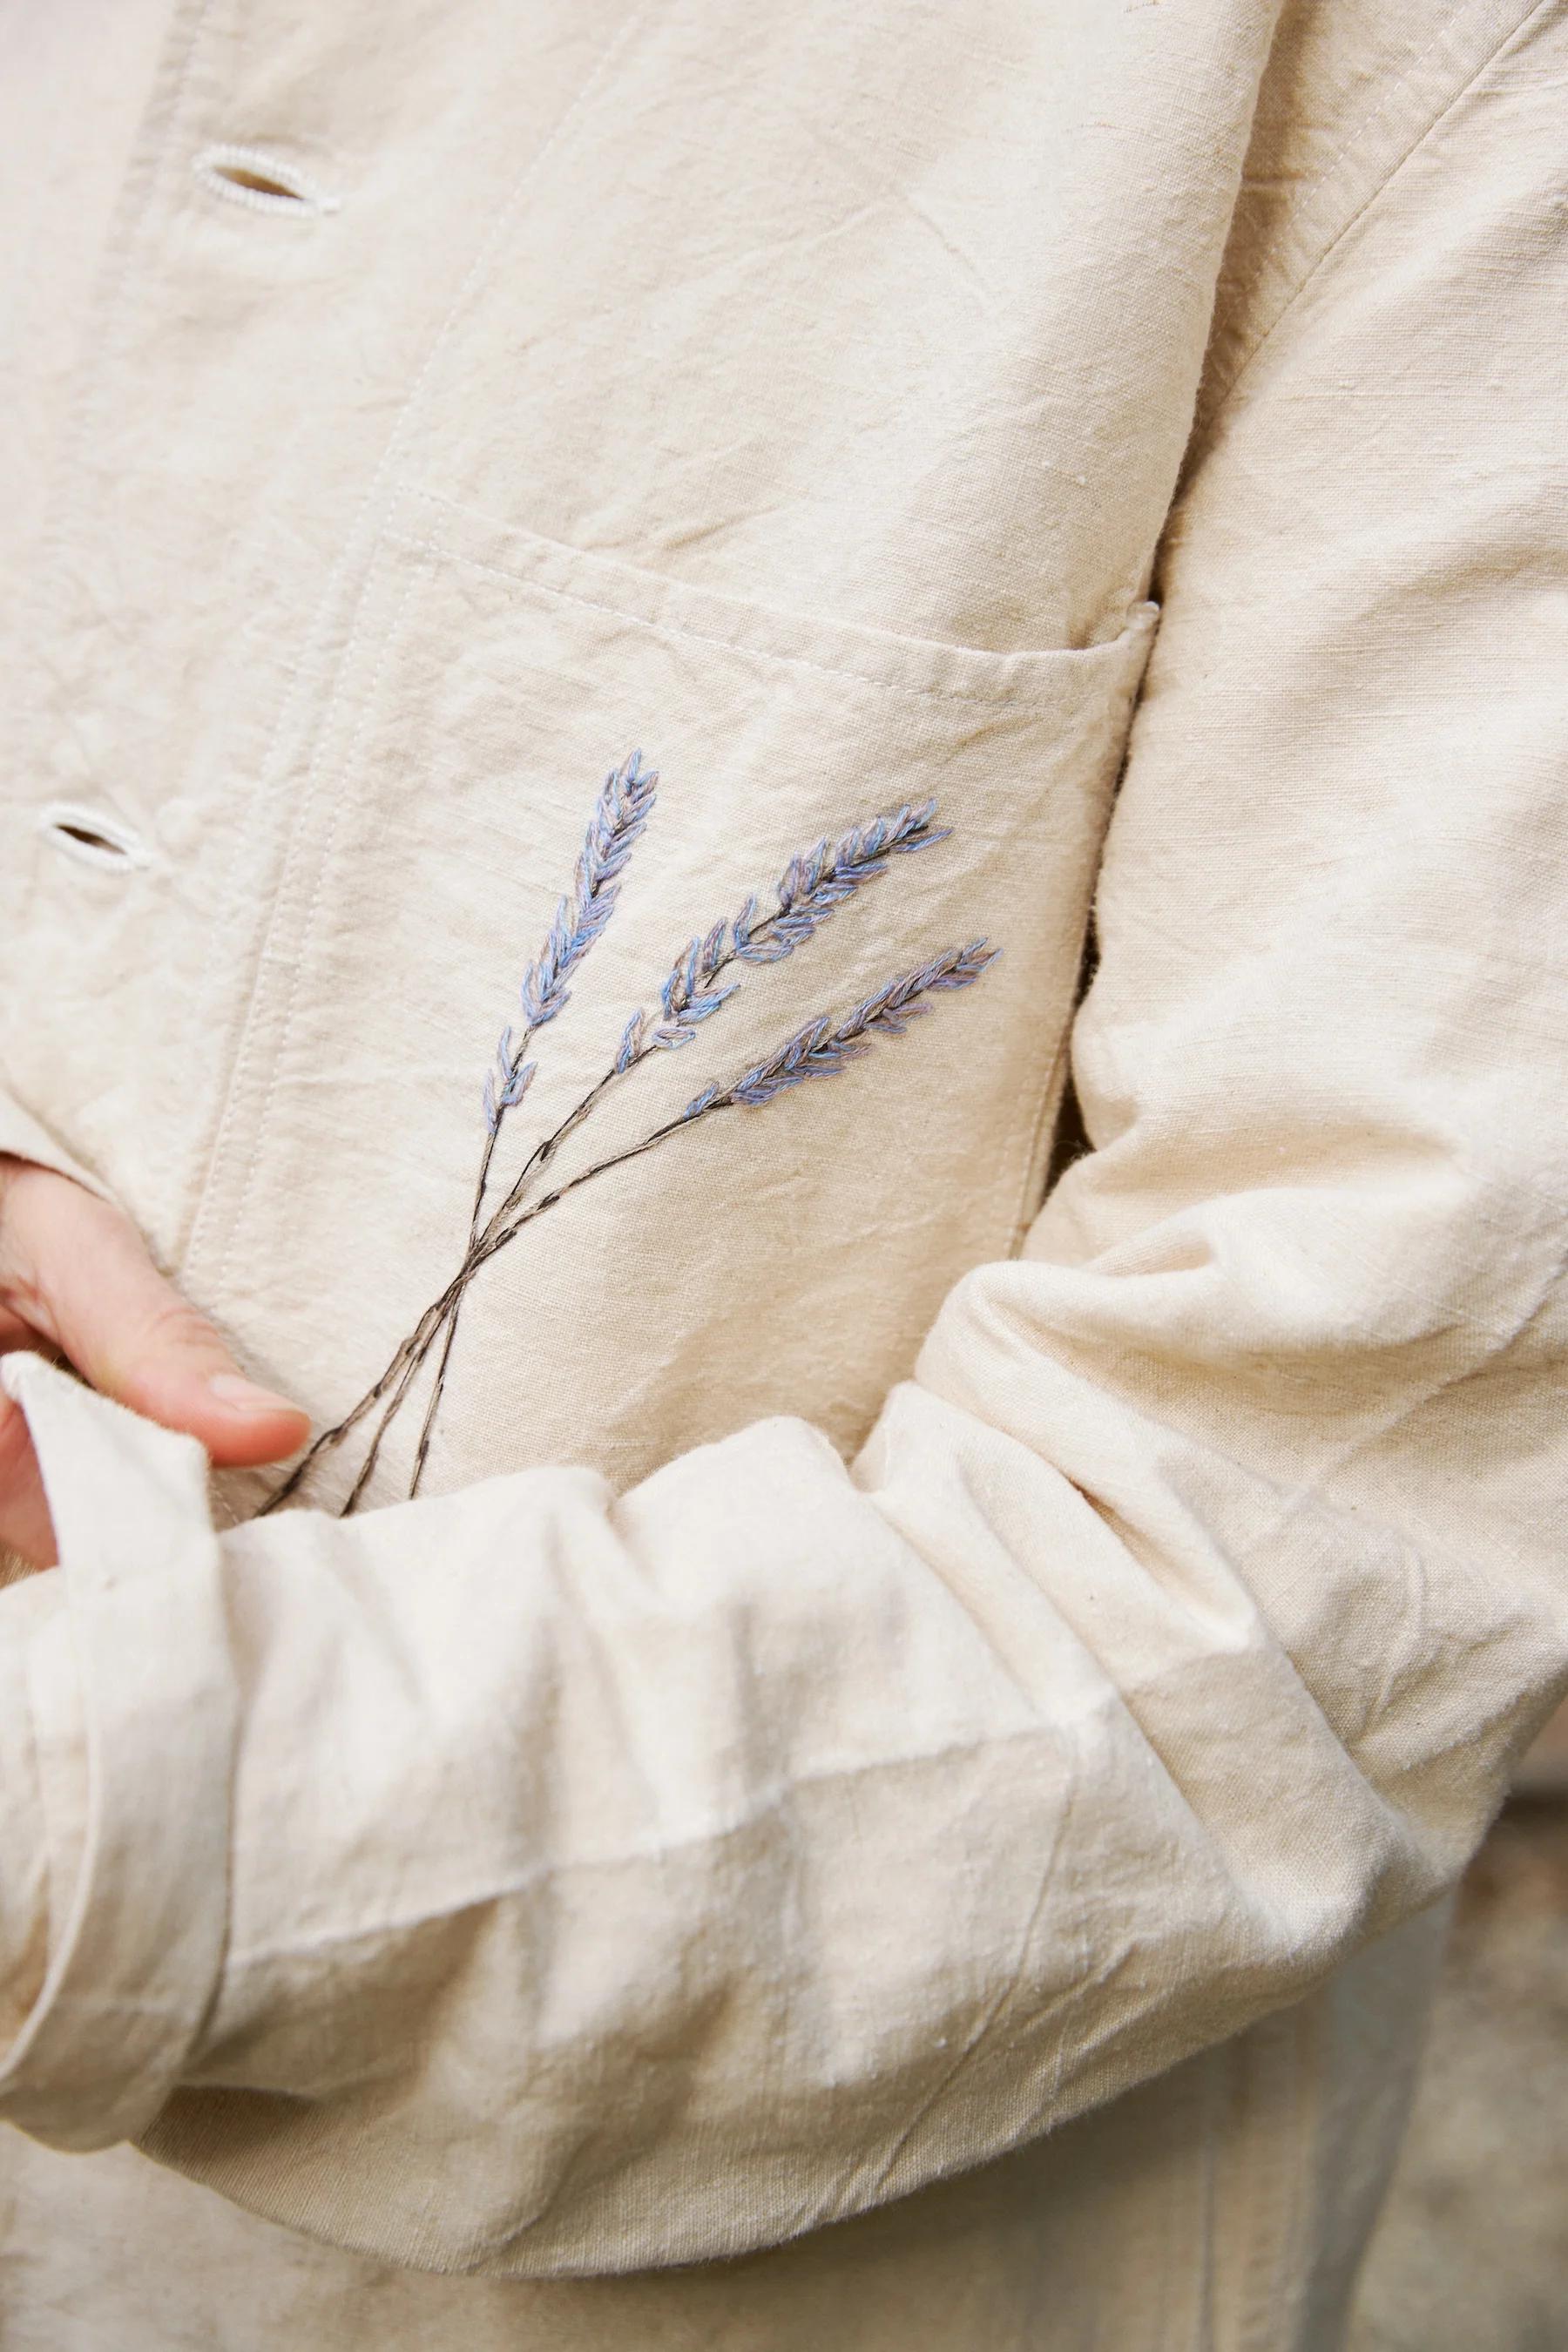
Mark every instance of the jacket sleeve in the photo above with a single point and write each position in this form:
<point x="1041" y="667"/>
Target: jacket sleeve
<point x="539" y="1878"/>
<point x="23" y="1137"/>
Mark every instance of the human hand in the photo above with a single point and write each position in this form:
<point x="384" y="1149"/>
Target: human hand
<point x="76" y="1278"/>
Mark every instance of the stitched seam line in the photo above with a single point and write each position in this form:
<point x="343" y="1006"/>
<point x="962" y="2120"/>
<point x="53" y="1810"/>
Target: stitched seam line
<point x="306" y="932"/>
<point x="520" y="585"/>
<point x="1277" y="2171"/>
<point x="41" y="1790"/>
<point x="112" y="302"/>
<point x="226" y="902"/>
<point x="1245" y="365"/>
<point x="1027" y="1201"/>
<point x="896" y="643"/>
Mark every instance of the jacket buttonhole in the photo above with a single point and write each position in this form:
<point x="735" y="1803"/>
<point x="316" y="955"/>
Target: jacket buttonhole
<point x="263" y="182"/>
<point x="92" y="836"/>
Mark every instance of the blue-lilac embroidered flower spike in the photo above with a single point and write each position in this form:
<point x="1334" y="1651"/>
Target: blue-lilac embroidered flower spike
<point x="506" y="1085"/>
<point x="620" y="813"/>
<point x="815" y="881"/>
<point x="824" y="1047"/>
<point x="813" y="884"/>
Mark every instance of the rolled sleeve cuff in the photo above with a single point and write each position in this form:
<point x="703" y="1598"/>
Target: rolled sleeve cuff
<point x="152" y="1708"/>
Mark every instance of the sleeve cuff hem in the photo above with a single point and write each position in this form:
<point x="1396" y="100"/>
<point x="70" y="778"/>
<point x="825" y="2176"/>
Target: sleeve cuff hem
<point x="132" y="1974"/>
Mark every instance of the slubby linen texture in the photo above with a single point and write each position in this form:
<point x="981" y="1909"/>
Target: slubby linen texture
<point x="918" y="1727"/>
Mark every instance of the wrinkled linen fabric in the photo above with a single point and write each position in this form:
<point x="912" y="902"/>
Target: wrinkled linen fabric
<point x="899" y="1781"/>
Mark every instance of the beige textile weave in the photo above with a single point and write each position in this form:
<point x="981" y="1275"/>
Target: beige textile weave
<point x="896" y="1786"/>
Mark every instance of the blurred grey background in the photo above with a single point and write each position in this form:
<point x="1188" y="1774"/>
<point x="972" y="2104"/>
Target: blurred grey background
<point x="1471" y="2254"/>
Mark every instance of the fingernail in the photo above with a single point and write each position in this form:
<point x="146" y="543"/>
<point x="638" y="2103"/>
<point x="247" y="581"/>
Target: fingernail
<point x="244" y="1396"/>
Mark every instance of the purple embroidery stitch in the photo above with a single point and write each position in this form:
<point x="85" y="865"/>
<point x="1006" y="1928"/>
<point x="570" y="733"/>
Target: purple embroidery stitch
<point x="815" y="881"/>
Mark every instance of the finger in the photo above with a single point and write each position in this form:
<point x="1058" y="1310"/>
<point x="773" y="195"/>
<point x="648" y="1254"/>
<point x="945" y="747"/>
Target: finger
<point x="77" y="1270"/>
<point x="24" y="1521"/>
<point x="13" y="1332"/>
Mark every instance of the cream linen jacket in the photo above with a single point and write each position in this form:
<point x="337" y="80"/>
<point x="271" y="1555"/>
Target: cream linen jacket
<point x="895" y="1787"/>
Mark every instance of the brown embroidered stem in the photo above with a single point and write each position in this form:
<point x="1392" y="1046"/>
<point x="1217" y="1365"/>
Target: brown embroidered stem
<point x="335" y="1435"/>
<point x="424" y="1331"/>
<point x="815" y="882"/>
<point x="488" y="1245"/>
<point x="410" y="1374"/>
<point x="537" y="1158"/>
<point x="475" y="1214"/>
<point x="540" y="1155"/>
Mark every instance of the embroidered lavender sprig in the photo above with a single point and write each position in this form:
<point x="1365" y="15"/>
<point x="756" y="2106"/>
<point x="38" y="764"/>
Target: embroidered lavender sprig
<point x="621" y="811"/>
<point x="815" y="882"/>
<point x="819" y="878"/>
<point x="824" y="1047"/>
<point x="820" y="1049"/>
<point x="619" y="815"/>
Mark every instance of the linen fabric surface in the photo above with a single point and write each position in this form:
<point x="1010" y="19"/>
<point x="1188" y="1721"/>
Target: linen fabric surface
<point x="897" y="1783"/>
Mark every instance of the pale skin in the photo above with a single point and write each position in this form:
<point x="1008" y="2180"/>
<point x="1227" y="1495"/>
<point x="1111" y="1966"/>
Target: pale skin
<point x="77" y="1282"/>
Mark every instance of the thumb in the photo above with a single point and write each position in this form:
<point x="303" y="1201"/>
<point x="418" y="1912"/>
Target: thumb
<point x="73" y="1267"/>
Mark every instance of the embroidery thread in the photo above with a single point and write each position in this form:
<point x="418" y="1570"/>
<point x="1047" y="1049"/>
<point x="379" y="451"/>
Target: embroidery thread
<point x="815" y="882"/>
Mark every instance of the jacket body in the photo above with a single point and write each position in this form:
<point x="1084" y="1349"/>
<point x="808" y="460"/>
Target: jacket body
<point x="897" y="1783"/>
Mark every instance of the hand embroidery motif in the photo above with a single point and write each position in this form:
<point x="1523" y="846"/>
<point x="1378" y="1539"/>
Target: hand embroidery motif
<point x="814" y="884"/>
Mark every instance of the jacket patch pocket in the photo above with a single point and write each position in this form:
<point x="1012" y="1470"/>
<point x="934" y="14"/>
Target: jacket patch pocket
<point x="851" y="829"/>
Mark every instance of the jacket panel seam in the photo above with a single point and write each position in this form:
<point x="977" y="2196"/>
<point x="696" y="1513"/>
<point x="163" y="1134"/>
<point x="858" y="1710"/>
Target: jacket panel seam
<point x="1213" y="410"/>
<point x="236" y="1081"/>
<point x="1007" y="699"/>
